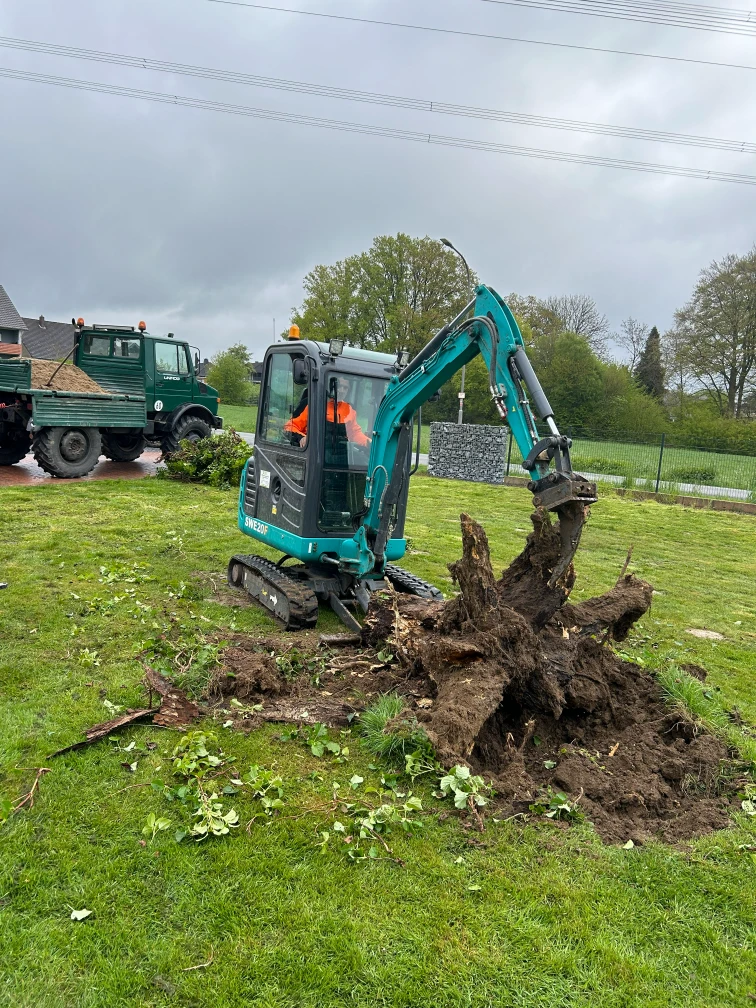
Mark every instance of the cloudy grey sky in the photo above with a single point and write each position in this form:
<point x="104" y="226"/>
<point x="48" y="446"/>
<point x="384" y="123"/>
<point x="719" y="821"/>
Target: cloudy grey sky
<point x="205" y="223"/>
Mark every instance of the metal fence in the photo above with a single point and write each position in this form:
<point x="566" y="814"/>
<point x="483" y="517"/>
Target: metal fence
<point x="652" y="463"/>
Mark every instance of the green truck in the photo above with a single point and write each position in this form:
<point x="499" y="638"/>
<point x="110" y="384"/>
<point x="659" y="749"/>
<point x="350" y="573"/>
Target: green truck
<point x="126" y="390"/>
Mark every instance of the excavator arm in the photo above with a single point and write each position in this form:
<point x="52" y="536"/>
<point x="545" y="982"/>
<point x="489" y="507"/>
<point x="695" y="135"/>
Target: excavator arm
<point x="492" y="331"/>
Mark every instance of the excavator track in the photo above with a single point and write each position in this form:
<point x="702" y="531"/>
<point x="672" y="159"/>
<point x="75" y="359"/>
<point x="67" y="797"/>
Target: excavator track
<point x="403" y="581"/>
<point x="287" y="599"/>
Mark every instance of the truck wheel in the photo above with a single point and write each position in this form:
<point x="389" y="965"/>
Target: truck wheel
<point x="14" y="443"/>
<point x="123" y="447"/>
<point x="188" y="428"/>
<point x="67" y="452"/>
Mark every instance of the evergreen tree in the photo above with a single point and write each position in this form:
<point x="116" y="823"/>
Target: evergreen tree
<point x="649" y="371"/>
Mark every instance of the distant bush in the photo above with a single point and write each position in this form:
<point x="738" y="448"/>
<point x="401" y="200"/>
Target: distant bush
<point x="693" y="474"/>
<point x="217" y="461"/>
<point x="604" y="465"/>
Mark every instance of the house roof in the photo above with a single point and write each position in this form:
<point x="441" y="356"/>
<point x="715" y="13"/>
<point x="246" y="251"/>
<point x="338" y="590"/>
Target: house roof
<point x="9" y="317"/>
<point x="47" y="340"/>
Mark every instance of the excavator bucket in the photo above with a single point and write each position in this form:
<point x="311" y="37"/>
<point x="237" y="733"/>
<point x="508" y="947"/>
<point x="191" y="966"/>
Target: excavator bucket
<point x="570" y="497"/>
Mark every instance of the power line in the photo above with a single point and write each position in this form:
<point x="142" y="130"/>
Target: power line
<point x="383" y="131"/>
<point x="699" y="18"/>
<point x="482" y="35"/>
<point x="444" y="108"/>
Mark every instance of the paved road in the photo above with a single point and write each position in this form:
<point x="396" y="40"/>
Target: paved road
<point x="28" y="473"/>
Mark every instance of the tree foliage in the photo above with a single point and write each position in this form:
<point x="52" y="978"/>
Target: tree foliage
<point x="394" y="296"/>
<point x="649" y="371"/>
<point x="713" y="343"/>
<point x="229" y="374"/>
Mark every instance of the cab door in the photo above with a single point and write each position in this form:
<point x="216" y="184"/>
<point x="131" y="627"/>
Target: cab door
<point x="276" y="494"/>
<point x="173" y="378"/>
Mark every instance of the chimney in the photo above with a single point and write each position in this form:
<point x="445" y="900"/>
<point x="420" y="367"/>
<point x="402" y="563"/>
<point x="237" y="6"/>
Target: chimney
<point x="41" y="321"/>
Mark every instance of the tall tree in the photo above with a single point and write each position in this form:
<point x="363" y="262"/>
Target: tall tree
<point x="392" y="297"/>
<point x="540" y="326"/>
<point x="579" y="314"/>
<point x="632" y="338"/>
<point x="241" y="353"/>
<point x="715" y="332"/>
<point x="649" y="372"/>
<point x="230" y="377"/>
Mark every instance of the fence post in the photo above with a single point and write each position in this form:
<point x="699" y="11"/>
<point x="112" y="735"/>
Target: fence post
<point x="509" y="450"/>
<point x="661" y="456"/>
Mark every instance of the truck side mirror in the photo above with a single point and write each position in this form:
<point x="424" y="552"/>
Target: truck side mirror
<point x="300" y="371"/>
<point x="196" y="362"/>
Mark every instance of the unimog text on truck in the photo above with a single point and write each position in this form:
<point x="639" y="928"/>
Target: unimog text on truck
<point x="125" y="389"/>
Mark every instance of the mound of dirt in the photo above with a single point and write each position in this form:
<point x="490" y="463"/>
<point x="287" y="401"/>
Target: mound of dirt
<point x="524" y="687"/>
<point x="68" y="379"/>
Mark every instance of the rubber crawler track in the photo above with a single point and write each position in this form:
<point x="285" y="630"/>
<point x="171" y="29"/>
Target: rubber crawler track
<point x="403" y="581"/>
<point x="303" y="603"/>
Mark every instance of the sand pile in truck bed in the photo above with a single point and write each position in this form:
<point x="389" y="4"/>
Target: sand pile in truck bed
<point x="523" y="686"/>
<point x="69" y="379"/>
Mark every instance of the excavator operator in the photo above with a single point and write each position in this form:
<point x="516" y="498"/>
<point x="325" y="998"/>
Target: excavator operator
<point x="346" y="418"/>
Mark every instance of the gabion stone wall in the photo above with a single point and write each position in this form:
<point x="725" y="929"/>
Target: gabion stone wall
<point x="468" y="452"/>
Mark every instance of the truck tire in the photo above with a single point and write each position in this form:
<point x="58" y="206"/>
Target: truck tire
<point x="67" y="452"/>
<point x="123" y="447"/>
<point x="187" y="428"/>
<point x="15" y="443"/>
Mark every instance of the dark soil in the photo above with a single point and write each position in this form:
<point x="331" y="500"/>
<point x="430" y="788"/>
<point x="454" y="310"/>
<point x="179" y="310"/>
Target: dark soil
<point x="510" y="676"/>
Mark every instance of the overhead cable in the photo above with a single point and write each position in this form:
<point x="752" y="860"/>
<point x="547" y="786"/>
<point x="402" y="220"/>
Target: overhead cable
<point x="421" y="104"/>
<point x="481" y="35"/>
<point x="382" y="131"/>
<point x="673" y="15"/>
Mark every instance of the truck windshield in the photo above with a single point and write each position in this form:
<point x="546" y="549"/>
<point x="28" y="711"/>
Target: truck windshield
<point x="351" y="406"/>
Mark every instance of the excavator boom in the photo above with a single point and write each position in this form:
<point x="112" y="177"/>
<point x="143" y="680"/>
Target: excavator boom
<point x="487" y="327"/>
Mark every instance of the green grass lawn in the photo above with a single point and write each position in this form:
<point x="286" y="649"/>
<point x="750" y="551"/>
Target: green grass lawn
<point x="558" y="920"/>
<point x="241" y="418"/>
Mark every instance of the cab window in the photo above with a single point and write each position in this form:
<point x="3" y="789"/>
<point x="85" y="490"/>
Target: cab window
<point x="183" y="359"/>
<point x="98" y="346"/>
<point x="284" y="419"/>
<point x="126" y="348"/>
<point x="166" y="358"/>
<point x="351" y="407"/>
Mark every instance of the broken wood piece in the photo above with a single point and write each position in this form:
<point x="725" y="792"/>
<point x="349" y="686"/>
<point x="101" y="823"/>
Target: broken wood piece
<point x="99" y="731"/>
<point x="176" y="709"/>
<point x="340" y="640"/>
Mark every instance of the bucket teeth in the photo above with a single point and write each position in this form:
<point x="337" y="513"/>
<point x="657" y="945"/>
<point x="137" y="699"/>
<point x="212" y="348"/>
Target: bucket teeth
<point x="572" y="518"/>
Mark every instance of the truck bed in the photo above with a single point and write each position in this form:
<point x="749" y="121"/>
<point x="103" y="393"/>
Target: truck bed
<point x="72" y="400"/>
<point x="68" y="379"/>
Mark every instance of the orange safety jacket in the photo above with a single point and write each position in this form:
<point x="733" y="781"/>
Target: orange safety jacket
<point x="346" y="416"/>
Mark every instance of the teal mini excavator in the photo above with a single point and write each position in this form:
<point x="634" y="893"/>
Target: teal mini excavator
<point x="327" y="484"/>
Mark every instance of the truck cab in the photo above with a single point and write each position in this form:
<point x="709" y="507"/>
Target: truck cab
<point x="163" y="369"/>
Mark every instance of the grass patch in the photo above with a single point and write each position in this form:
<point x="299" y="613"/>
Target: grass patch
<point x="390" y="731"/>
<point x="241" y="418"/>
<point x="536" y="916"/>
<point x="694" y="699"/>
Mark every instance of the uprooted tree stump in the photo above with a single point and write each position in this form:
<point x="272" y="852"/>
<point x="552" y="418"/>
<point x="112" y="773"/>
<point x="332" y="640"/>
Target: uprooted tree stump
<point x="527" y="689"/>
